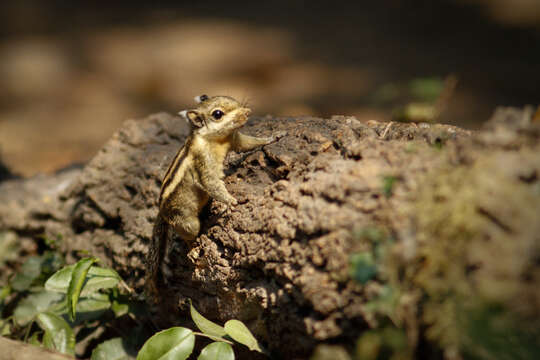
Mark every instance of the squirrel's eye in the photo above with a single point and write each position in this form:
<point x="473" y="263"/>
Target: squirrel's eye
<point x="217" y="114"/>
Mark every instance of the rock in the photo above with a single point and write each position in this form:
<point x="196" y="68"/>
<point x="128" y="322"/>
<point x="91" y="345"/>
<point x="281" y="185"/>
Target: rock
<point x="279" y="261"/>
<point x="12" y="349"/>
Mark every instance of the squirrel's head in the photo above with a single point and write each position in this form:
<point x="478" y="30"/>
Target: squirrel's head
<point x="216" y="116"/>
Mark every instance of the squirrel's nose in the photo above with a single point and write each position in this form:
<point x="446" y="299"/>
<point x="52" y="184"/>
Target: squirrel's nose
<point x="247" y="111"/>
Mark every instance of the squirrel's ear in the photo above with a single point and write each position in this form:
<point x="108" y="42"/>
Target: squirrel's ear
<point x="199" y="99"/>
<point x="194" y="117"/>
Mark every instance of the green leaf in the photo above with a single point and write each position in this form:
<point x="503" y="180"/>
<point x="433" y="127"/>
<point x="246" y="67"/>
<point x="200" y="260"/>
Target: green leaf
<point x="92" y="308"/>
<point x="119" y="308"/>
<point x="33" y="304"/>
<point x="97" y="278"/>
<point x="100" y="278"/>
<point x="58" y="334"/>
<point x="384" y="303"/>
<point x="240" y="333"/>
<point x="77" y="281"/>
<point x="362" y="267"/>
<point x="206" y="326"/>
<point x="388" y="184"/>
<point x="30" y="271"/>
<point x="95" y="302"/>
<point x="51" y="262"/>
<point x="426" y="89"/>
<point x="9" y="247"/>
<point x="112" y="349"/>
<point x="5" y="329"/>
<point x="59" y="281"/>
<point x="217" y="351"/>
<point x="34" y="340"/>
<point x="4" y="292"/>
<point x="120" y="304"/>
<point x="48" y="341"/>
<point x="372" y="234"/>
<point x="175" y="343"/>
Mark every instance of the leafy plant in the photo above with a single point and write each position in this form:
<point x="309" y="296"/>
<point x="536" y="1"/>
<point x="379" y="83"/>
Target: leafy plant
<point x="60" y="304"/>
<point x="178" y="342"/>
<point x="66" y="305"/>
<point x="387" y="339"/>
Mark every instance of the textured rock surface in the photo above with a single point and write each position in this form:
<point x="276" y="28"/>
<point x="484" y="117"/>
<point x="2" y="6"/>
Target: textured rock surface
<point x="279" y="260"/>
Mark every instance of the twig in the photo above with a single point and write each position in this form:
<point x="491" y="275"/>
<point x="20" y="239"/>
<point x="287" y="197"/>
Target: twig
<point x="383" y="136"/>
<point x="450" y="84"/>
<point x="215" y="338"/>
<point x="28" y="331"/>
<point x="126" y="286"/>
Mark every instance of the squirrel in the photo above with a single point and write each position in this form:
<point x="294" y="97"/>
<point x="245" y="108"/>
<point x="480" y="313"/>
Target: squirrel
<point x="196" y="175"/>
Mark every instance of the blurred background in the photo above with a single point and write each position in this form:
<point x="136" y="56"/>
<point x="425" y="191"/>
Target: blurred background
<point x="72" y="71"/>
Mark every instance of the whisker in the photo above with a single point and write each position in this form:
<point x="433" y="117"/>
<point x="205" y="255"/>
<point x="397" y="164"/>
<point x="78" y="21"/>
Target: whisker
<point x="245" y="102"/>
<point x="245" y="99"/>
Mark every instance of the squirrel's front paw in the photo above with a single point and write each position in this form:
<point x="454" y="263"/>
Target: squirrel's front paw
<point x="222" y="206"/>
<point x="231" y="201"/>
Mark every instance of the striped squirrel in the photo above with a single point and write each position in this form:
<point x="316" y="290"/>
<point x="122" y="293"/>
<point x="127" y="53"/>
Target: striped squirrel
<point x="196" y="175"/>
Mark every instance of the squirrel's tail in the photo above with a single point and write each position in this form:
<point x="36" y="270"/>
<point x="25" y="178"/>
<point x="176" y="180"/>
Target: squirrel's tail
<point x="156" y="254"/>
